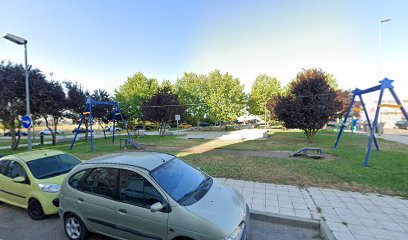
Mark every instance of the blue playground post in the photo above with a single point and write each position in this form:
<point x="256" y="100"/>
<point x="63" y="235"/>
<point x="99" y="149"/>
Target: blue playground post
<point x="114" y="123"/>
<point x="88" y="110"/>
<point x="344" y="121"/>
<point x="368" y="121"/>
<point x="384" y="84"/>
<point x="370" y="139"/>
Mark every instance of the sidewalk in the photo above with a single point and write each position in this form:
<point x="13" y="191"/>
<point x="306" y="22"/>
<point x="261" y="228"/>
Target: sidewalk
<point x="350" y="215"/>
<point x="395" y="138"/>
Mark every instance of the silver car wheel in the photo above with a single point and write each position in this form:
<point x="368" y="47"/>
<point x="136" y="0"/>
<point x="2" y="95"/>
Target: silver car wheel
<point x="73" y="228"/>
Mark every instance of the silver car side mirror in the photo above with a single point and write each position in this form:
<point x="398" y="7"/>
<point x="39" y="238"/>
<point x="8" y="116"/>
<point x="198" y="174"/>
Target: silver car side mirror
<point x="156" y="207"/>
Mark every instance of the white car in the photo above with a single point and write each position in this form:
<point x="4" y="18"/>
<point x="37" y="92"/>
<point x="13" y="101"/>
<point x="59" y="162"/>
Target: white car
<point x="48" y="132"/>
<point x="110" y="129"/>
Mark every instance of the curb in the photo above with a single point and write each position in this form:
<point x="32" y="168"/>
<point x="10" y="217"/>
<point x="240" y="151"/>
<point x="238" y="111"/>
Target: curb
<point x="315" y="224"/>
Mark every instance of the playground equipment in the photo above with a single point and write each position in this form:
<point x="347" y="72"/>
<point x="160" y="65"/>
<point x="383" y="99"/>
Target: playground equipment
<point x="384" y="84"/>
<point x="88" y="111"/>
<point x="130" y="142"/>
<point x="308" y="152"/>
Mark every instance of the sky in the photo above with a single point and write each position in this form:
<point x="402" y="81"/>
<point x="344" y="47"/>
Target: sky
<point x="100" y="43"/>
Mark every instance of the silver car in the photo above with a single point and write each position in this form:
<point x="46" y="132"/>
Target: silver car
<point x="150" y="195"/>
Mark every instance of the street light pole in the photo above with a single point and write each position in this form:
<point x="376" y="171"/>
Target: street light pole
<point x="28" y="112"/>
<point x="22" y="41"/>
<point x="379" y="46"/>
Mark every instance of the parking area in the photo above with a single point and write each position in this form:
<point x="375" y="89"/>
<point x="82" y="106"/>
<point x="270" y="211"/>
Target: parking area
<point x="16" y="225"/>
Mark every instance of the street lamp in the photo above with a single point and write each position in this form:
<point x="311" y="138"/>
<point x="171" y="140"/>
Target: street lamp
<point x="22" y="41"/>
<point x="379" y="45"/>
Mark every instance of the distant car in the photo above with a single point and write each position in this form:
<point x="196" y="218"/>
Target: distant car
<point x="81" y="130"/>
<point x="48" y="132"/>
<point x="185" y="125"/>
<point x="18" y="133"/>
<point x="221" y="123"/>
<point x="139" y="127"/>
<point x="401" y="124"/>
<point x="110" y="129"/>
<point x="204" y="124"/>
<point x="32" y="180"/>
<point x="140" y="195"/>
<point x="332" y="123"/>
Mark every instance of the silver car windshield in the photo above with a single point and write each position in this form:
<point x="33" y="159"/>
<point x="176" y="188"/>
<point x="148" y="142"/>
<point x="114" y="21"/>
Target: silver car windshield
<point x="180" y="180"/>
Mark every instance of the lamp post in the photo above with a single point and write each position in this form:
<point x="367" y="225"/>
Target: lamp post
<point x="22" y="41"/>
<point x="379" y="45"/>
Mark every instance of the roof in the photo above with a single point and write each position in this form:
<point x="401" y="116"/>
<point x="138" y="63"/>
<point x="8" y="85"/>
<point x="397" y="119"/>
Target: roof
<point x="146" y="160"/>
<point x="29" y="156"/>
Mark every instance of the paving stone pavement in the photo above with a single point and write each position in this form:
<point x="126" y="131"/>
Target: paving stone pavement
<point x="350" y="215"/>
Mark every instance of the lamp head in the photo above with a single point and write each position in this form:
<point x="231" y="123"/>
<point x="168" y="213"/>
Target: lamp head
<point x="15" y="39"/>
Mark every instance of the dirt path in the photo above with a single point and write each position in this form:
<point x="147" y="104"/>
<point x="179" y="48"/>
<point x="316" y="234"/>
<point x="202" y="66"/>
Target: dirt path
<point x="235" y="152"/>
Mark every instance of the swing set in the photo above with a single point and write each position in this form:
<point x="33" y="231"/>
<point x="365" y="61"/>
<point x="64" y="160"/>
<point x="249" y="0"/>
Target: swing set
<point x="384" y="84"/>
<point x="88" y="111"/>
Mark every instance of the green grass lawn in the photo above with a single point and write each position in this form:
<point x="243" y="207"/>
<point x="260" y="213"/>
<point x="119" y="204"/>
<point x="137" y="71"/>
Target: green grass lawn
<point x="82" y="149"/>
<point x="387" y="172"/>
<point x="7" y="142"/>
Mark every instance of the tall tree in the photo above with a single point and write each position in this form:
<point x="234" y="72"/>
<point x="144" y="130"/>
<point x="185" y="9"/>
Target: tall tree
<point x="76" y="99"/>
<point x="162" y="107"/>
<point x="102" y="114"/>
<point x="343" y="100"/>
<point x="225" y="97"/>
<point x="12" y="98"/>
<point x="192" y="90"/>
<point x="134" y="92"/>
<point x="49" y="102"/>
<point x="263" y="89"/>
<point x="308" y="105"/>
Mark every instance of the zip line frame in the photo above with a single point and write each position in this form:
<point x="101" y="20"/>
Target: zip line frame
<point x="384" y="84"/>
<point x="88" y="111"/>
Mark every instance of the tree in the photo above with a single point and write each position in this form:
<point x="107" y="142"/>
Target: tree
<point x="49" y="102"/>
<point x="309" y="104"/>
<point x="162" y="107"/>
<point x="12" y="98"/>
<point x="76" y="98"/>
<point x="2" y="127"/>
<point x="224" y="97"/>
<point x="332" y="81"/>
<point x="102" y="114"/>
<point x="343" y="100"/>
<point x="192" y="90"/>
<point x="133" y="93"/>
<point x="263" y="89"/>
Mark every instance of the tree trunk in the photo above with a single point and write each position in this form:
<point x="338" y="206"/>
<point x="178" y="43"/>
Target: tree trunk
<point x="86" y="132"/>
<point x="14" y="142"/>
<point x="54" y="136"/>
<point x="309" y="136"/>
<point x="162" y="128"/>
<point x="53" y="133"/>
<point x="103" y="129"/>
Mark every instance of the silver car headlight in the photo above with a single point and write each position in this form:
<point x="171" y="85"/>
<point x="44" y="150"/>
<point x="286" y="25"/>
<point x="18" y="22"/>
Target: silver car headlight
<point x="49" y="187"/>
<point x="237" y="233"/>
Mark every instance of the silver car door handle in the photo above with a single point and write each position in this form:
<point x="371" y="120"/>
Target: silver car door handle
<point x="122" y="211"/>
<point x="80" y="200"/>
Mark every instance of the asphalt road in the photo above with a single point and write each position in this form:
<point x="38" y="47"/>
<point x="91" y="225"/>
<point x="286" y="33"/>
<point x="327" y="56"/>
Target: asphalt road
<point x="15" y="224"/>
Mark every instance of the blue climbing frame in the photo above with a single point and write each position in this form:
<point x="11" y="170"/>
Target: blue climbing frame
<point x="384" y="84"/>
<point x="88" y="111"/>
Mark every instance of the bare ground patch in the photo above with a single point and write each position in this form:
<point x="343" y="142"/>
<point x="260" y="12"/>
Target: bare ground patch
<point x="236" y="152"/>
